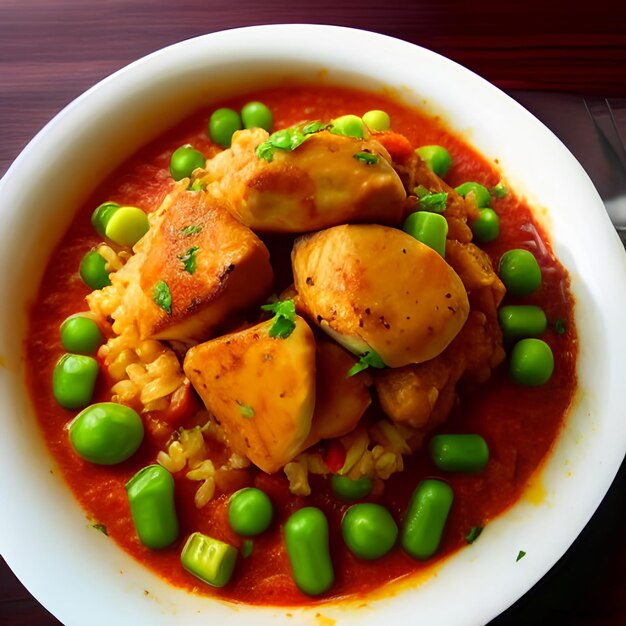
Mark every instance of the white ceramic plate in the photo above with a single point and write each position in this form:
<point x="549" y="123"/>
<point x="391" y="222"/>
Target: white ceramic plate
<point x="80" y="575"/>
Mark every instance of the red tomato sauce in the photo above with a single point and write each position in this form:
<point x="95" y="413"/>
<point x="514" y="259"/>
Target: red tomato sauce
<point x="519" y="424"/>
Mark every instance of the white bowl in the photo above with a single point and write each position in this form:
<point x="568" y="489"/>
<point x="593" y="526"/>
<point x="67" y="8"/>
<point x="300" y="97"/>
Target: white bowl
<point x="84" y="578"/>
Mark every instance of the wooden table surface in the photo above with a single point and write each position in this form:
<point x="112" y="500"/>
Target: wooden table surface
<point x="52" y="50"/>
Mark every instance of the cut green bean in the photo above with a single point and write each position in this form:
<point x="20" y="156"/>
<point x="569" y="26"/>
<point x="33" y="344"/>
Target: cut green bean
<point x="429" y="228"/>
<point x="74" y="379"/>
<point x="208" y="559"/>
<point x="426" y="518"/>
<point x="459" y="453"/>
<point x="521" y="321"/>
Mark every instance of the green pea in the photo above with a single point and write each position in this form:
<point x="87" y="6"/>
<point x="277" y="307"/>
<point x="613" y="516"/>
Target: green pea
<point x="459" y="453"/>
<point x="184" y="161"/>
<point x="250" y="511"/>
<point x="81" y="334"/>
<point x="520" y="321"/>
<point x="223" y="124"/>
<point x="348" y="125"/>
<point x="478" y="191"/>
<point x="377" y="120"/>
<point x="486" y="227"/>
<point x="349" y="490"/>
<point x="208" y="559"/>
<point x="368" y="530"/>
<point x="531" y="363"/>
<point x="257" y="115"/>
<point x="74" y="379"/>
<point x="306" y="538"/>
<point x="437" y="158"/>
<point x="520" y="272"/>
<point x="106" y="433"/>
<point x="426" y="518"/>
<point x="127" y="226"/>
<point x="151" y="497"/>
<point x="101" y="216"/>
<point x="93" y="270"/>
<point x="429" y="228"/>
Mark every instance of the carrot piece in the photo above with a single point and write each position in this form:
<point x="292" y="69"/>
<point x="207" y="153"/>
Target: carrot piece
<point x="398" y="146"/>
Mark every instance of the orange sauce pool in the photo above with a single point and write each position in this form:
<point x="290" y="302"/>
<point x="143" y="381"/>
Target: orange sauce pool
<point x="519" y="424"/>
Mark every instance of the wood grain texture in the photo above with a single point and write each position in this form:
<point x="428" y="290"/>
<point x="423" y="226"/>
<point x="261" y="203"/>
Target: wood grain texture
<point x="52" y="50"/>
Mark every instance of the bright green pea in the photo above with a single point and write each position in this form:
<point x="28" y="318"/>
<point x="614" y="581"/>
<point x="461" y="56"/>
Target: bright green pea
<point x="349" y="490"/>
<point x="349" y="125"/>
<point x="257" y="115"/>
<point x="74" y="379"/>
<point x="377" y="120"/>
<point x="93" y="270"/>
<point x="520" y="321"/>
<point x="250" y="511"/>
<point x="426" y="518"/>
<point x="480" y="193"/>
<point x="127" y="226"/>
<point x="459" y="453"/>
<point x="520" y="272"/>
<point x="429" y="228"/>
<point x="369" y="530"/>
<point x="306" y="538"/>
<point x="106" y="433"/>
<point x="81" y="334"/>
<point x="531" y="363"/>
<point x="437" y="158"/>
<point x="208" y="559"/>
<point x="223" y="124"/>
<point x="486" y="227"/>
<point x="151" y="497"/>
<point x="101" y="216"/>
<point x="184" y="161"/>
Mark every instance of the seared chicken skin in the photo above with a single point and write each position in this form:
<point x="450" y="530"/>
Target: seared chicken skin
<point x="327" y="180"/>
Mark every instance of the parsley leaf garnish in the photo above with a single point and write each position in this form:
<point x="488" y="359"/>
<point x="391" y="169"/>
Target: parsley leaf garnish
<point x="520" y="555"/>
<point x="473" y="534"/>
<point x="500" y="190"/>
<point x="246" y="548"/>
<point x="247" y="411"/>
<point x="190" y="230"/>
<point x="287" y="139"/>
<point x="162" y="296"/>
<point x="369" y="359"/>
<point x="189" y="259"/>
<point x="102" y="528"/>
<point x="284" y="318"/>
<point x="366" y="157"/>
<point x="434" y="202"/>
<point x="559" y="326"/>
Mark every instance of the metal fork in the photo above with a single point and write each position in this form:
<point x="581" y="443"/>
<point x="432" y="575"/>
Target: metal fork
<point x="609" y="120"/>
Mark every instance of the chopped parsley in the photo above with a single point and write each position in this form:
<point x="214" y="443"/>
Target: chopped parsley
<point x="246" y="548"/>
<point x="102" y="528"/>
<point x="559" y="326"/>
<point x="473" y="534"/>
<point x="189" y="259"/>
<point x="420" y="191"/>
<point x="368" y="359"/>
<point x="366" y="157"/>
<point x="162" y="296"/>
<point x="287" y="139"/>
<point x="520" y="555"/>
<point x="284" y="321"/>
<point x="247" y="411"/>
<point x="196" y="186"/>
<point x="190" y="230"/>
<point x="500" y="190"/>
<point x="434" y="202"/>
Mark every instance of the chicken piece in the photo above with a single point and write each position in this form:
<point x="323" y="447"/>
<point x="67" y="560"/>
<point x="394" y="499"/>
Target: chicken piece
<point x="341" y="400"/>
<point x="371" y="287"/>
<point x="195" y="266"/>
<point x="261" y="390"/>
<point x="320" y="183"/>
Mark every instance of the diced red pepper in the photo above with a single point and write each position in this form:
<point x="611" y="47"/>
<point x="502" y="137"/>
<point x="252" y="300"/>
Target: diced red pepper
<point x="335" y="456"/>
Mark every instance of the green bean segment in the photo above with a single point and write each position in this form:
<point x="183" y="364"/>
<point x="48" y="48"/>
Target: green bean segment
<point x="377" y="120"/>
<point x="531" y="363"/>
<point x="93" y="270"/>
<point x="74" y="379"/>
<point x="257" y="115"/>
<point x="208" y="559"/>
<point x="459" y="453"/>
<point x="486" y="227"/>
<point x="369" y="530"/>
<point x="127" y="226"/>
<point x="151" y="497"/>
<point x="437" y="158"/>
<point x="306" y="538"/>
<point x="184" y="161"/>
<point x="223" y="124"/>
<point x="106" y="433"/>
<point x="101" y="216"/>
<point x="350" y="490"/>
<point x="81" y="334"/>
<point x="478" y="192"/>
<point x="429" y="228"/>
<point x="348" y="125"/>
<point x="521" y="321"/>
<point x="426" y="518"/>
<point x="250" y="511"/>
<point x="520" y="272"/>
